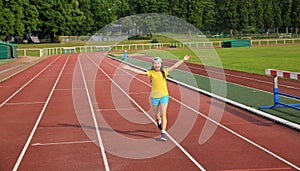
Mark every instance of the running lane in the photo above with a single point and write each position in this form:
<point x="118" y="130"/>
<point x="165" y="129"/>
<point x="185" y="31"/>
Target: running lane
<point x="98" y="117"/>
<point x="250" y="141"/>
<point x="22" y="99"/>
<point x="58" y="142"/>
<point x="260" y="82"/>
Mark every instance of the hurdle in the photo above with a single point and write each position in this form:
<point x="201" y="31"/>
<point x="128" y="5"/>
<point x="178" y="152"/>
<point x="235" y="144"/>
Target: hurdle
<point x="276" y="93"/>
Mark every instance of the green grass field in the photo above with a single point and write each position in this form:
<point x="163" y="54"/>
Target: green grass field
<point x="248" y="59"/>
<point x="257" y="59"/>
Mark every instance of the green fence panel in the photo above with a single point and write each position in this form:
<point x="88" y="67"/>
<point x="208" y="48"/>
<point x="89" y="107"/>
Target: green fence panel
<point x="236" y="43"/>
<point x="8" y="50"/>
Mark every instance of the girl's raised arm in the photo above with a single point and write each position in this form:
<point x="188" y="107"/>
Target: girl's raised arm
<point x="177" y="64"/>
<point x="134" y="69"/>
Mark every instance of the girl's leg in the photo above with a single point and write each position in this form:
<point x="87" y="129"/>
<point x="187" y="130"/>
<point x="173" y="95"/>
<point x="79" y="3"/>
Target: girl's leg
<point x="163" y="111"/>
<point x="157" y="112"/>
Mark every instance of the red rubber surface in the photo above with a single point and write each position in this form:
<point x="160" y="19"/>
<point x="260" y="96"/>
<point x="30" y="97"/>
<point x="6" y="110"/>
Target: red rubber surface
<point x="62" y="142"/>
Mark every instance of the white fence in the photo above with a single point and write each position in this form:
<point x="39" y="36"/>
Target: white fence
<point x="63" y="50"/>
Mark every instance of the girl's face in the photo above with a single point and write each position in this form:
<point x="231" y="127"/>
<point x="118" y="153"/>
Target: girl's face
<point x="156" y="66"/>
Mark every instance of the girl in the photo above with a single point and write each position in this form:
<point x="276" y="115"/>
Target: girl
<point x="159" y="92"/>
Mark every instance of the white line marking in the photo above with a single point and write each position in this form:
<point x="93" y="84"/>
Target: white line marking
<point x="25" y="103"/>
<point x="262" y="169"/>
<point x="170" y="137"/>
<point x="224" y="127"/>
<point x="11" y="68"/>
<point x="38" y="121"/>
<point x="28" y="82"/>
<point x="94" y="119"/>
<point x="238" y="76"/>
<point x="140" y="93"/>
<point x="129" y="108"/>
<point x="63" y="89"/>
<point x="61" y="143"/>
<point x="227" y="82"/>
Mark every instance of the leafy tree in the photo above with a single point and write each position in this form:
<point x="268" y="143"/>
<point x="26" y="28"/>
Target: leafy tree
<point x="88" y="22"/>
<point x="196" y="13"/>
<point x="51" y="19"/>
<point x="79" y="17"/>
<point x="259" y="11"/>
<point x="227" y="14"/>
<point x="17" y="9"/>
<point x="104" y="12"/>
<point x="208" y="16"/>
<point x="74" y="19"/>
<point x="177" y="8"/>
<point x="31" y="17"/>
<point x="243" y="15"/>
<point x="268" y="15"/>
<point x="124" y="8"/>
<point x="286" y="14"/>
<point x="7" y="20"/>
<point x="277" y="15"/>
<point x="295" y="15"/>
<point x="13" y="14"/>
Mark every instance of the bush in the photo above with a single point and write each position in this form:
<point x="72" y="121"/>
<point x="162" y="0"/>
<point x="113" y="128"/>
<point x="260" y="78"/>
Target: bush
<point x="141" y="37"/>
<point x="154" y="41"/>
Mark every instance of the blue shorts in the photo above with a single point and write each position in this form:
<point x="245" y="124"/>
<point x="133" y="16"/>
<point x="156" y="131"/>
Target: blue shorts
<point x="161" y="100"/>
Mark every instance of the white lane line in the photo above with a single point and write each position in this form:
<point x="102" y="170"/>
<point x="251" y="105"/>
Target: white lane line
<point x="224" y="127"/>
<point x="62" y="143"/>
<point x="170" y="137"/>
<point x="105" y="161"/>
<point x="28" y="82"/>
<point x="17" y="164"/>
<point x="63" y="89"/>
<point x="25" y="103"/>
<point x="262" y="169"/>
<point x="140" y="92"/>
<point x="11" y="68"/>
<point x="119" y="109"/>
<point x="238" y="76"/>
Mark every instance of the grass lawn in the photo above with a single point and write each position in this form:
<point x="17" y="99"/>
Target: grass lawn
<point x="258" y="58"/>
<point x="253" y="59"/>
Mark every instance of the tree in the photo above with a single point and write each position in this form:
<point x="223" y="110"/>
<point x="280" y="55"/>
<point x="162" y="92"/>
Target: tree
<point x="88" y="22"/>
<point x="286" y="14"/>
<point x="277" y="15"/>
<point x="177" y="8"/>
<point x="74" y="19"/>
<point x="208" y="16"/>
<point x="7" y="21"/>
<point x="124" y="8"/>
<point x="268" y="15"/>
<point x="12" y="17"/>
<point x="104" y="12"/>
<point x="196" y="13"/>
<point x="51" y="20"/>
<point x="227" y="14"/>
<point x="79" y="17"/>
<point x="243" y="11"/>
<point x="295" y="15"/>
<point x="259" y="11"/>
<point x="31" y="17"/>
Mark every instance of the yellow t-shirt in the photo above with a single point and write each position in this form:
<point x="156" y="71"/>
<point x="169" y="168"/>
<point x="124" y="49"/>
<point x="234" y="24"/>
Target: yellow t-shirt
<point x="159" y="83"/>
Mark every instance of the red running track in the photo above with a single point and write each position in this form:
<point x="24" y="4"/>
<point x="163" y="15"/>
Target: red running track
<point x="261" y="82"/>
<point x="82" y="112"/>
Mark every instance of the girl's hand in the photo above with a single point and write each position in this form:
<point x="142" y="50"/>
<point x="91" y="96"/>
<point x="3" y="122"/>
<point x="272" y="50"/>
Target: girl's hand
<point x="186" y="57"/>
